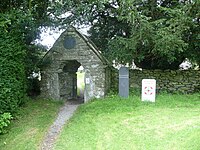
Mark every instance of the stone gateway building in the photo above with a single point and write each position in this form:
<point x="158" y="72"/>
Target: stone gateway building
<point x="60" y="65"/>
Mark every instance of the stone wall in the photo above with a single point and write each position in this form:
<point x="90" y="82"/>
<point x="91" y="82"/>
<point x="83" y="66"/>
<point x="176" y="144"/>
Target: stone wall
<point x="179" y="81"/>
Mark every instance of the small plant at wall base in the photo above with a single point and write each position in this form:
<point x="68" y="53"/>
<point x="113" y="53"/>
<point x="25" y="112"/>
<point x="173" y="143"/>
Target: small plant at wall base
<point x="4" y="121"/>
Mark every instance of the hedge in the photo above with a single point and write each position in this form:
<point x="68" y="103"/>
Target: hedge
<point x="12" y="72"/>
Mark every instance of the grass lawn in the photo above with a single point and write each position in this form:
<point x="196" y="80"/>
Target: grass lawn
<point x="27" y="132"/>
<point x="172" y="123"/>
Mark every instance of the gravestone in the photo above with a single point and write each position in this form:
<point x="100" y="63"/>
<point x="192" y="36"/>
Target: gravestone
<point x="148" y="90"/>
<point x="124" y="82"/>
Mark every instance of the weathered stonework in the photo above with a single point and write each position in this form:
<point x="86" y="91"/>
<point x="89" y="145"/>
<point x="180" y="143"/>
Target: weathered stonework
<point x="59" y="80"/>
<point x="175" y="81"/>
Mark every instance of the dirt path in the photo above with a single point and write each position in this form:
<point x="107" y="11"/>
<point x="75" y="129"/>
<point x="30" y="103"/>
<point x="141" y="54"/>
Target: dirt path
<point x="65" y="113"/>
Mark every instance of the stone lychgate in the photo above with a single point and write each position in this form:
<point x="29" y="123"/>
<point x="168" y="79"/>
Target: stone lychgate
<point x="60" y="64"/>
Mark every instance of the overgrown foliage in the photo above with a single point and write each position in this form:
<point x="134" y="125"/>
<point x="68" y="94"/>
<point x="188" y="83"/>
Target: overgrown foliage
<point x="4" y="121"/>
<point x="156" y="34"/>
<point x="20" y="24"/>
<point x="19" y="27"/>
<point x="159" y="33"/>
<point x="12" y="72"/>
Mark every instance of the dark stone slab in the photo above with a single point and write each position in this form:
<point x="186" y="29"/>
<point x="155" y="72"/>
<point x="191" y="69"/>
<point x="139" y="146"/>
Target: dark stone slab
<point x="124" y="82"/>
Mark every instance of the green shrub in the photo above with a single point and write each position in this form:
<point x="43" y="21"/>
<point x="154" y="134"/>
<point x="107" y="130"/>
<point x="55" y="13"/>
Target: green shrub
<point x="4" y="121"/>
<point x="12" y="72"/>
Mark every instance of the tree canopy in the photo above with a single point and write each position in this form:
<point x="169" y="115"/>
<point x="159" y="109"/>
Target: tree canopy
<point x="156" y="34"/>
<point x="19" y="27"/>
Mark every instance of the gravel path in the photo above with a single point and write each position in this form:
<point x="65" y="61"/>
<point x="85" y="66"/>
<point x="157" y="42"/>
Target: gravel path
<point x="65" y="113"/>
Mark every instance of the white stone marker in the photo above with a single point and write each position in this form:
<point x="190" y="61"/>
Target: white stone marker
<point x="149" y="90"/>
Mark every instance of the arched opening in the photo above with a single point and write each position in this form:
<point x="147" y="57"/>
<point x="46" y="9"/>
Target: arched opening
<point x="68" y="82"/>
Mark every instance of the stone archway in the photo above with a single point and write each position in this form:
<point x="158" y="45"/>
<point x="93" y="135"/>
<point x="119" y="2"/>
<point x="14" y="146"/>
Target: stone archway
<point x="71" y="50"/>
<point x="68" y="79"/>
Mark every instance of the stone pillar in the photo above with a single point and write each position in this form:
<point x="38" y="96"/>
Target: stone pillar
<point x="50" y="85"/>
<point x="89" y="86"/>
<point x="124" y="82"/>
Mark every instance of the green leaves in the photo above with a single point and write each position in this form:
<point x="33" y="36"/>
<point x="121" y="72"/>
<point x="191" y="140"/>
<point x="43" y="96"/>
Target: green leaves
<point x="12" y="72"/>
<point x="158" y="33"/>
<point x="121" y="50"/>
<point x="168" y="45"/>
<point x="4" y="121"/>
